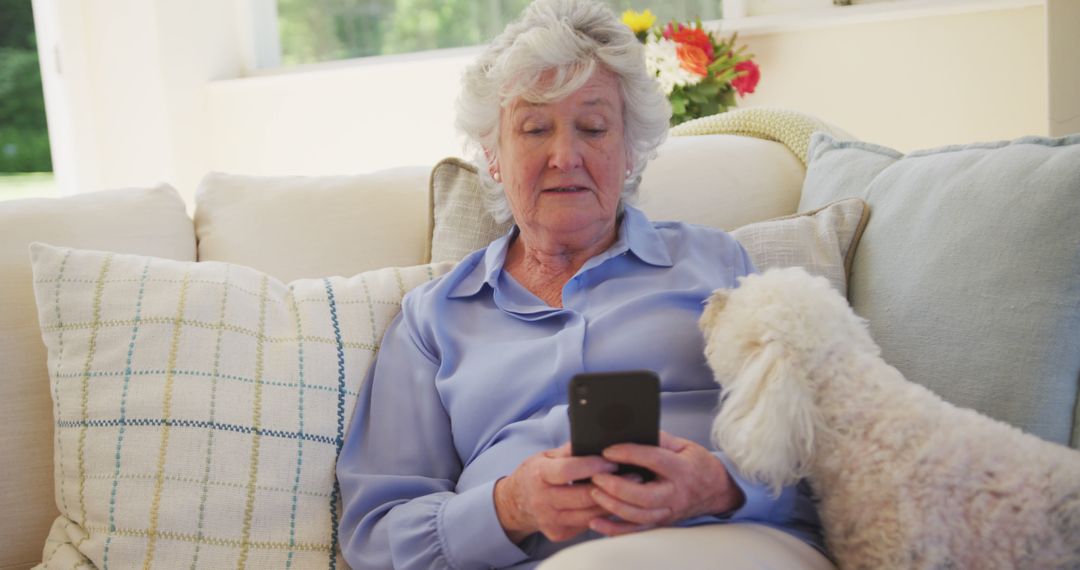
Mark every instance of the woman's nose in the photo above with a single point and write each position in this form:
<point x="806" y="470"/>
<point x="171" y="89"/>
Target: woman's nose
<point x="565" y="153"/>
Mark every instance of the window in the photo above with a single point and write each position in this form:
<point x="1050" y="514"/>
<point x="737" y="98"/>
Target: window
<point x="25" y="161"/>
<point x="324" y="30"/>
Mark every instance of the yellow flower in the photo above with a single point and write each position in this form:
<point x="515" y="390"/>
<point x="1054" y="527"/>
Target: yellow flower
<point x="639" y="21"/>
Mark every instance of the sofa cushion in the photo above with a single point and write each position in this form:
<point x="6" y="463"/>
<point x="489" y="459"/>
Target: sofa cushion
<point x="723" y="181"/>
<point x="311" y="226"/>
<point x="822" y="241"/>
<point x="149" y="221"/>
<point x="200" y="407"/>
<point x="969" y="272"/>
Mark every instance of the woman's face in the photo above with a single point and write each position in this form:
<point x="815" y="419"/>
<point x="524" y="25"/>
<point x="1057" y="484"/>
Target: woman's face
<point x="563" y="164"/>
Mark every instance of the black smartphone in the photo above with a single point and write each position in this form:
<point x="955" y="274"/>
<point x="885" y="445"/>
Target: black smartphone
<point x="614" y="407"/>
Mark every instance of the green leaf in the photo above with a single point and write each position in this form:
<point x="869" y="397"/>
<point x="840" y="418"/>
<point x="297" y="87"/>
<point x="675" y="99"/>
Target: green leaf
<point x="710" y="88"/>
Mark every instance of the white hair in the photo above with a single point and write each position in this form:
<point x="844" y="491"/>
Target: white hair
<point x="546" y="55"/>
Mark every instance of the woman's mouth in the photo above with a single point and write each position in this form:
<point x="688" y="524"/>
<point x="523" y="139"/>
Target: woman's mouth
<point x="566" y="189"/>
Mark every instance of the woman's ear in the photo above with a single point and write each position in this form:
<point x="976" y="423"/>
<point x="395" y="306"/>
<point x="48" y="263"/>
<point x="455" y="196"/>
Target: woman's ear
<point x="493" y="164"/>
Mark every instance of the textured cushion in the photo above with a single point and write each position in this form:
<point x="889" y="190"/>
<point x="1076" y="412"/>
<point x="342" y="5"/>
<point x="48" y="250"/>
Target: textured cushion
<point x="969" y="271"/>
<point x="460" y="225"/>
<point x="147" y="221"/>
<point x="200" y="407"/>
<point x="822" y="241"/>
<point x="790" y="128"/>
<point x="723" y="181"/>
<point x="311" y="226"/>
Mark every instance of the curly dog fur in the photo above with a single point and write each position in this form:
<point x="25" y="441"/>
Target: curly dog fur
<point x="905" y="479"/>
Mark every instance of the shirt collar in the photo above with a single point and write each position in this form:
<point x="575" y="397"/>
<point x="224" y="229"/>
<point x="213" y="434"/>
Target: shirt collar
<point x="636" y="234"/>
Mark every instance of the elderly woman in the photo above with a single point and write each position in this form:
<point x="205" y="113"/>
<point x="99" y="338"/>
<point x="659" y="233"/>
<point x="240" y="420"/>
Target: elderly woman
<point x="472" y="376"/>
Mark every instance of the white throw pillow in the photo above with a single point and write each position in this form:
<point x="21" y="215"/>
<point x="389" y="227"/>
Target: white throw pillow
<point x="200" y="407"/>
<point x="822" y="241"/>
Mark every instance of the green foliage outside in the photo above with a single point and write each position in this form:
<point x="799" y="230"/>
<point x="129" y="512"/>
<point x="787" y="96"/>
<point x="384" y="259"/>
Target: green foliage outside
<point x="28" y="185"/>
<point x="326" y="30"/>
<point x="24" y="135"/>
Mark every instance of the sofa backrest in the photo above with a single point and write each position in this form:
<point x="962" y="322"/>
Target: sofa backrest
<point x="149" y="221"/>
<point x="295" y="227"/>
<point x="289" y="227"/>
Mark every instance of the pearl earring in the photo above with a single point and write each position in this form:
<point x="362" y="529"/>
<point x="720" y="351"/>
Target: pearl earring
<point x="496" y="176"/>
<point x="628" y="172"/>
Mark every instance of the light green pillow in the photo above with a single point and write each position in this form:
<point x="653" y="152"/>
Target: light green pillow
<point x="200" y="407"/>
<point x="969" y="270"/>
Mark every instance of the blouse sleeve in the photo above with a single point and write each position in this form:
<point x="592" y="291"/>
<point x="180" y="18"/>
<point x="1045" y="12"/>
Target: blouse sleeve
<point x="398" y="470"/>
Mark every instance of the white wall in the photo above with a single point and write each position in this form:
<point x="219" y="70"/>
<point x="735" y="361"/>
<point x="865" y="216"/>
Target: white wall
<point x="924" y="80"/>
<point x="338" y="119"/>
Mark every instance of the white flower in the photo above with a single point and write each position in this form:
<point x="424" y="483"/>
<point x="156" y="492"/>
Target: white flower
<point x="662" y="60"/>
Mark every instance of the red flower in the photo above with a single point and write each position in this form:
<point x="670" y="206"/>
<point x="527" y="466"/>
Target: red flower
<point x="693" y="59"/>
<point x="692" y="37"/>
<point x="747" y="79"/>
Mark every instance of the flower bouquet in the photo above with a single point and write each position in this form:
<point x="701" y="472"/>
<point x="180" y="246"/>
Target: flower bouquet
<point x="699" y="72"/>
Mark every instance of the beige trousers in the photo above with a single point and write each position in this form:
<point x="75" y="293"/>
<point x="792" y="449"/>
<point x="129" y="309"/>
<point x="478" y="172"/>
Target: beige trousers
<point x="739" y="546"/>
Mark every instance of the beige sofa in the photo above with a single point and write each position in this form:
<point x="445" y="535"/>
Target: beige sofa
<point x="310" y="227"/>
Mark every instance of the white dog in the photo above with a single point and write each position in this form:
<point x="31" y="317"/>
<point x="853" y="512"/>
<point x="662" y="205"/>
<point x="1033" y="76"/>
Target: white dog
<point x="905" y="480"/>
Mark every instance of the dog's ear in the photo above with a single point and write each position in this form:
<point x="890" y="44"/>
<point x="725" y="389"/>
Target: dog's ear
<point x="767" y="418"/>
<point x="713" y="307"/>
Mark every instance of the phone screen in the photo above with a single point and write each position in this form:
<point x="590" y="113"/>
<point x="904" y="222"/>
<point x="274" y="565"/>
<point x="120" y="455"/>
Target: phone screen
<point x="614" y="407"/>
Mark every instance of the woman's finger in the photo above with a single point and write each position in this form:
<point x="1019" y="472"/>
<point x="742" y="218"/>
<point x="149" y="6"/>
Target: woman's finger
<point x="657" y="459"/>
<point x="564" y="470"/>
<point x="628" y="512"/>
<point x="570" y="497"/>
<point x="561" y="451"/>
<point x="647" y="495"/>
<point x="672" y="442"/>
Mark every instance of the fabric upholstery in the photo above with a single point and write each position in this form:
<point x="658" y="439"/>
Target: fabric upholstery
<point x="969" y="271"/>
<point x="791" y="128"/>
<point x="459" y="224"/>
<point x="314" y="226"/>
<point x="200" y="407"/>
<point x="148" y="221"/>
<point x="723" y="181"/>
<point x="822" y="241"/>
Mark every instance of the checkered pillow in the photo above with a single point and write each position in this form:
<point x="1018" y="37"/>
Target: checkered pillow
<point x="200" y="407"/>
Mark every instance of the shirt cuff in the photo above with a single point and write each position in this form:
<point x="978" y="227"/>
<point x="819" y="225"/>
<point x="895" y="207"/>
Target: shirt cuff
<point x="760" y="503"/>
<point x="471" y="534"/>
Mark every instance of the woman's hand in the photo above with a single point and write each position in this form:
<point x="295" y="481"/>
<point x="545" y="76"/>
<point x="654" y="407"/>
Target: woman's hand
<point x="690" y="481"/>
<point x="538" y="495"/>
